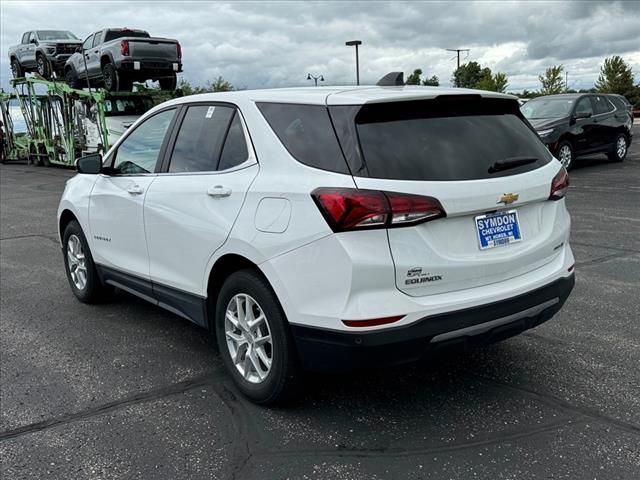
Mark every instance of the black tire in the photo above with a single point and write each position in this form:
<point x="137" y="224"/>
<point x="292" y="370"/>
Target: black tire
<point x="280" y="378"/>
<point x="110" y="78"/>
<point x="619" y="150"/>
<point x="168" y="83"/>
<point x="567" y="159"/>
<point x="93" y="291"/>
<point x="71" y="78"/>
<point x="16" y="69"/>
<point x="43" y="67"/>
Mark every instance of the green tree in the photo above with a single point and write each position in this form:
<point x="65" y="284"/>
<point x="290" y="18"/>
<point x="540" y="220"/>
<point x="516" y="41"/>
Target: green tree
<point x="219" y="85"/>
<point x="414" y="78"/>
<point x="434" y="81"/>
<point x="493" y="82"/>
<point x="552" y="82"/>
<point x="616" y="76"/>
<point x="468" y="75"/>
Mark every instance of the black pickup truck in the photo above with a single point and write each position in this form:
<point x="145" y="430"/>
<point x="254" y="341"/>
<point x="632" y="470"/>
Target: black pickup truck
<point x="116" y="57"/>
<point x="42" y="51"/>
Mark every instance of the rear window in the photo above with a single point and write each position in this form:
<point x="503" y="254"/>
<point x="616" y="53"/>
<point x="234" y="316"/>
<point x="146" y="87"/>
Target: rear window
<point x="619" y="102"/>
<point x="445" y="139"/>
<point x="113" y="34"/>
<point x="307" y="133"/>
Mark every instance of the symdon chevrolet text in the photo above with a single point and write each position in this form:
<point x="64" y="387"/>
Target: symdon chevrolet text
<point x="326" y="228"/>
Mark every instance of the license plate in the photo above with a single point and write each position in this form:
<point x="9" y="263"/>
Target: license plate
<point x="498" y="229"/>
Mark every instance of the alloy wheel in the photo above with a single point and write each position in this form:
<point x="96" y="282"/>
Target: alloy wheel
<point x="621" y="147"/>
<point x="565" y="155"/>
<point x="77" y="262"/>
<point x="14" y="69"/>
<point x="41" y="66"/>
<point x="248" y="338"/>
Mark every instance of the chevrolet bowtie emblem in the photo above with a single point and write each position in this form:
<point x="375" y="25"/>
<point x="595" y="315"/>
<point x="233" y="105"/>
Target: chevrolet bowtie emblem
<point x="508" y="198"/>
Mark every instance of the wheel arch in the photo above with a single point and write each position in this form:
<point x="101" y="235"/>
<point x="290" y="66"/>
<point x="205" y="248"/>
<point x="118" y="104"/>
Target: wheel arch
<point x="106" y="58"/>
<point x="66" y="217"/>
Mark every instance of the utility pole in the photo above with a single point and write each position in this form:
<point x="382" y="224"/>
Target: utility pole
<point x="566" y="81"/>
<point x="458" y="50"/>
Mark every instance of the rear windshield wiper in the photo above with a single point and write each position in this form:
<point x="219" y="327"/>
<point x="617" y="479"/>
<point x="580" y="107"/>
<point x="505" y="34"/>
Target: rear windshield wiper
<point x="511" y="162"/>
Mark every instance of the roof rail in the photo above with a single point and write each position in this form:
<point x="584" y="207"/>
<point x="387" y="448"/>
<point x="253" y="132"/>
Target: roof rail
<point x="391" y="79"/>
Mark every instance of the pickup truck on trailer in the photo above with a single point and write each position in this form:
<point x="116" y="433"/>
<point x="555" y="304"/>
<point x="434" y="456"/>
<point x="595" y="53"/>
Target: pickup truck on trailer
<point x="42" y="51"/>
<point x="116" y="57"/>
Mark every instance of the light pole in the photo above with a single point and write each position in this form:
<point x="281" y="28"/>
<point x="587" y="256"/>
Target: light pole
<point x="315" y="79"/>
<point x="355" y="43"/>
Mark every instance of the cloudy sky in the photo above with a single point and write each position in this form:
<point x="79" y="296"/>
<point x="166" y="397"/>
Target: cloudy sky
<point x="272" y="44"/>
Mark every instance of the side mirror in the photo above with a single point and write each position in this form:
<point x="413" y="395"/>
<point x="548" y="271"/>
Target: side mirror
<point x="34" y="41"/>
<point x="90" y="164"/>
<point x="578" y="115"/>
<point x="79" y="49"/>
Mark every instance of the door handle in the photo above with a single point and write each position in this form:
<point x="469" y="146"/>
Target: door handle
<point x="86" y="55"/>
<point x="219" y="191"/>
<point x="135" y="190"/>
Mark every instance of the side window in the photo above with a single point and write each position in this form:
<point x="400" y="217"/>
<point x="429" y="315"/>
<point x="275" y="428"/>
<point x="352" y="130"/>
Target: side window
<point x="25" y="37"/>
<point x="138" y="153"/>
<point x="602" y="105"/>
<point x="86" y="45"/>
<point x="32" y="37"/>
<point x="307" y="133"/>
<point x="96" y="39"/>
<point x="200" y="139"/>
<point x="235" y="150"/>
<point x="584" y="106"/>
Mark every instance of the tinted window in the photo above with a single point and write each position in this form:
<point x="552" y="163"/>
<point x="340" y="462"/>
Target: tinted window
<point x="114" y="106"/>
<point x="584" y="106"/>
<point x="619" y="102"/>
<point x="113" y="34"/>
<point x="197" y="148"/>
<point x="307" y="133"/>
<point x="25" y="37"/>
<point x="138" y="153"/>
<point x="602" y="105"/>
<point x="86" y="45"/>
<point x="235" y="150"/>
<point x="32" y="36"/>
<point x="453" y="139"/>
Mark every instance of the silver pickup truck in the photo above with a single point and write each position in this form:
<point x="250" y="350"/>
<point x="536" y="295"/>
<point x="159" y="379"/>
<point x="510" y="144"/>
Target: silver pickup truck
<point x="116" y="57"/>
<point x="42" y="51"/>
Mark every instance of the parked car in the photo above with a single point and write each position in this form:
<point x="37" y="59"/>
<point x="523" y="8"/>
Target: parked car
<point x="326" y="228"/>
<point x="572" y="125"/>
<point x="116" y="57"/>
<point x="42" y="51"/>
<point x="120" y="112"/>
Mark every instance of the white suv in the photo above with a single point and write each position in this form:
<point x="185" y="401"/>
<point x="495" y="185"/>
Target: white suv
<point x="327" y="228"/>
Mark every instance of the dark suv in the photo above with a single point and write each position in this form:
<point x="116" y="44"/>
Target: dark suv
<point x="572" y="125"/>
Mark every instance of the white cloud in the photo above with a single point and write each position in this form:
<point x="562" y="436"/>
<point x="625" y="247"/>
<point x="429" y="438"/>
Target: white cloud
<point x="270" y="44"/>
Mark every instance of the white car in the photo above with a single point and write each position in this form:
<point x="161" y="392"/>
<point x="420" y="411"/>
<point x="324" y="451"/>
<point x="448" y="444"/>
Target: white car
<point x="326" y="228"/>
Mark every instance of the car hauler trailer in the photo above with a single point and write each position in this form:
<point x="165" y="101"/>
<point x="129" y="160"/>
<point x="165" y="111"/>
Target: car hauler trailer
<point x="53" y="114"/>
<point x="15" y="145"/>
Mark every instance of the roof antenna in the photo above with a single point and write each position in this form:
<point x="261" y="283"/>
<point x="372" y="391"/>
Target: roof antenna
<point x="391" y="79"/>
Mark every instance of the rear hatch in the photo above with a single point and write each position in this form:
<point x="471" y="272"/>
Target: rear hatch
<point x="153" y="49"/>
<point x="481" y="160"/>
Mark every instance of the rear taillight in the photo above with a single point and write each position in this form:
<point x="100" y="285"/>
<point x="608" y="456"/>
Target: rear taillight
<point x="179" y="51"/>
<point x="352" y="209"/>
<point x="559" y="185"/>
<point x="372" y="322"/>
<point x="124" y="48"/>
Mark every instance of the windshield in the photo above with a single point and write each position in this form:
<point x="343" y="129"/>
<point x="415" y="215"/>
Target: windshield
<point x="547" y="108"/>
<point x="115" y="106"/>
<point x="56" y="35"/>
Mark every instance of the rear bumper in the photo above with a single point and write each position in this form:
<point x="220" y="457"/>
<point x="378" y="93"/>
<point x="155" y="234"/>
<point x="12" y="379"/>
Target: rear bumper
<point x="149" y="68"/>
<point x="330" y="350"/>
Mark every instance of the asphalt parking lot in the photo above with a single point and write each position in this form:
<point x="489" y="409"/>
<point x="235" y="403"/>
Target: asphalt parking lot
<point x="127" y="390"/>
